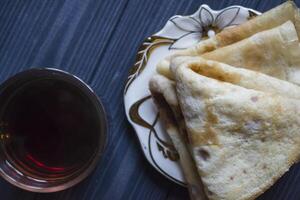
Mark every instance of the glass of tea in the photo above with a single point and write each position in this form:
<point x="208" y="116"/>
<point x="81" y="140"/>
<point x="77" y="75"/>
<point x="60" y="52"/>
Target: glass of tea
<point x="52" y="130"/>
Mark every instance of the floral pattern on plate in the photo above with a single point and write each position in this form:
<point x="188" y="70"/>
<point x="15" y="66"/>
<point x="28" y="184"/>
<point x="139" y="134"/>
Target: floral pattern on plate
<point x="180" y="32"/>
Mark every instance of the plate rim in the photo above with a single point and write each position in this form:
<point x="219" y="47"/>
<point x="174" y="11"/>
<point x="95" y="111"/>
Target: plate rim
<point x="133" y="69"/>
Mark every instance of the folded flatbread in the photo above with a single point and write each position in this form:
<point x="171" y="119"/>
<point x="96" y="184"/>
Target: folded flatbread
<point x="274" y="52"/>
<point x="270" y="19"/>
<point x="163" y="93"/>
<point x="242" y="137"/>
<point x="238" y="76"/>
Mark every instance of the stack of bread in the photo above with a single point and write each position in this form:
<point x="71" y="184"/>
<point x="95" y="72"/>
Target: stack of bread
<point x="231" y="105"/>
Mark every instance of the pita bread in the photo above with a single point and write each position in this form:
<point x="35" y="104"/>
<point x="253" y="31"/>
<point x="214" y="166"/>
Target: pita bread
<point x="270" y="19"/>
<point x="274" y="52"/>
<point x="221" y="117"/>
<point x="238" y="76"/>
<point x="164" y="94"/>
<point x="163" y="91"/>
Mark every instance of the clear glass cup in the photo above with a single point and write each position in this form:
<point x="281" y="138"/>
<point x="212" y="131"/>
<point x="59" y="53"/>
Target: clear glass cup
<point x="24" y="171"/>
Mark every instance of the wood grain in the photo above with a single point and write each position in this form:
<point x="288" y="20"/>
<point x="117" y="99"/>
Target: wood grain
<point x="97" y="40"/>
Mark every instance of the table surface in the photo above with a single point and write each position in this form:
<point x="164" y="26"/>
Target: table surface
<point x="97" y="40"/>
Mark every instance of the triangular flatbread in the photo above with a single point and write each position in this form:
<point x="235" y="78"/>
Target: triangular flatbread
<point x="274" y="52"/>
<point x="238" y="76"/>
<point x="270" y="19"/>
<point x="164" y="96"/>
<point x="243" y="139"/>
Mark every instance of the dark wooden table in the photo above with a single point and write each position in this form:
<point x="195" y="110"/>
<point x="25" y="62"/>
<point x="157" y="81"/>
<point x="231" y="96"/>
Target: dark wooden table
<point x="97" y="41"/>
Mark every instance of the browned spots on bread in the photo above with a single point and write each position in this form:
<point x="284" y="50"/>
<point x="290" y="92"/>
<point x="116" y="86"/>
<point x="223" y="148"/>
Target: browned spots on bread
<point x="278" y="108"/>
<point x="204" y="137"/>
<point x="207" y="136"/>
<point x="254" y="98"/>
<point x="211" y="119"/>
<point x="203" y="154"/>
<point x="237" y="33"/>
<point x="253" y="61"/>
<point x="255" y="58"/>
<point x="213" y="70"/>
<point x="206" y="48"/>
<point x="231" y="35"/>
<point x="210" y="116"/>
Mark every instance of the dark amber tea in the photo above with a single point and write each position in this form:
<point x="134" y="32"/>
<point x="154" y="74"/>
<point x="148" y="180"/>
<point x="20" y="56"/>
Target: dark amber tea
<point x="50" y="129"/>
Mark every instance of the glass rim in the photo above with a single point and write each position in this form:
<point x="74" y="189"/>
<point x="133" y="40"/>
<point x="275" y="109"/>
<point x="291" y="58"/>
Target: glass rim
<point x="23" y="182"/>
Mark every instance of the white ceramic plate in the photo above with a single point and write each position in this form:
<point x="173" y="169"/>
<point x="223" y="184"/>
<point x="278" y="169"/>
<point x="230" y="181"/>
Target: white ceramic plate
<point x="180" y="32"/>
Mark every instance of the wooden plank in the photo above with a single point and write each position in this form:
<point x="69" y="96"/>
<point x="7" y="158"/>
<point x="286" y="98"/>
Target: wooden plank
<point x="141" y="19"/>
<point x="97" y="41"/>
<point x="61" y="34"/>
